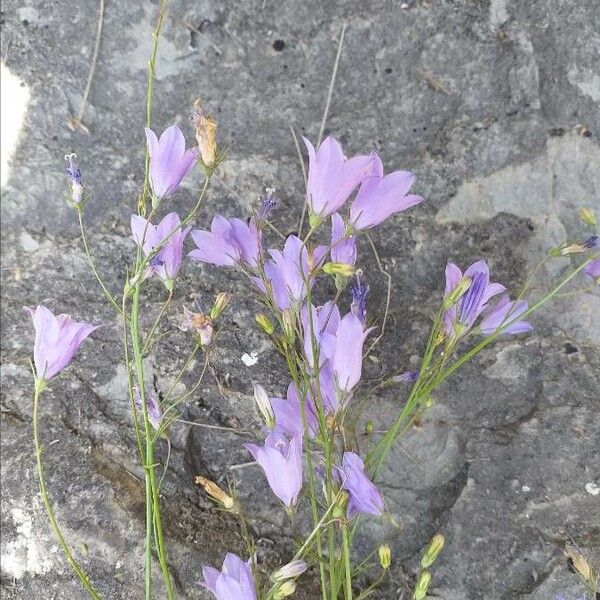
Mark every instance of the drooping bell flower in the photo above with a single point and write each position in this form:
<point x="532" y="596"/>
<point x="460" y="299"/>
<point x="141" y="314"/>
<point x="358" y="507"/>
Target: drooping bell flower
<point x="170" y="162"/>
<point x="592" y="270"/>
<point x="325" y="321"/>
<point x="475" y="290"/>
<point x="233" y="582"/>
<point x="505" y="314"/>
<point x="168" y="234"/>
<point x="380" y="197"/>
<point x="229" y="242"/>
<point x="57" y="338"/>
<point x="155" y="413"/>
<point x="363" y="495"/>
<point x="332" y="177"/>
<point x="343" y="248"/>
<point x="281" y="460"/>
<point x="288" y="414"/>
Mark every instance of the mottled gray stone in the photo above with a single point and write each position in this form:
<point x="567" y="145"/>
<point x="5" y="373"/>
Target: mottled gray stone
<point x="500" y="462"/>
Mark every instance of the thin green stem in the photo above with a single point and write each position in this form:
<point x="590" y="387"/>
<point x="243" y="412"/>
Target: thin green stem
<point x="347" y="564"/>
<point x="163" y="310"/>
<point x="46" y="500"/>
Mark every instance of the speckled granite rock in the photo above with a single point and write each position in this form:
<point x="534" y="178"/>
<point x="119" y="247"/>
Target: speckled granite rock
<point x="501" y="462"/>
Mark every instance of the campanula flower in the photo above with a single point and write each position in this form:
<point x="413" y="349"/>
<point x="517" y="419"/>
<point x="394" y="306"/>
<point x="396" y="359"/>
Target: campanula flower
<point x="325" y="321"/>
<point x="363" y="495"/>
<point x="592" y="269"/>
<point x="168" y="234"/>
<point x="155" y="413"/>
<point x="288" y="414"/>
<point x="343" y="248"/>
<point x="74" y="174"/>
<point x="288" y="271"/>
<point x="380" y="197"/>
<point x="327" y="389"/>
<point x="170" y="162"/>
<point x="358" y="306"/>
<point x="281" y="460"/>
<point x="57" y="338"/>
<point x="229" y="242"/>
<point x="332" y="177"/>
<point x="476" y="291"/>
<point x="233" y="582"/>
<point x="505" y="314"/>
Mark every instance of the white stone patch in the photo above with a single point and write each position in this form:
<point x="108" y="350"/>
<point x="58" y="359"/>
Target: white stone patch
<point x="509" y="364"/>
<point x="587" y="81"/>
<point x="250" y="359"/>
<point x="27" y="242"/>
<point x="24" y="554"/>
<point x="592" y="488"/>
<point x="498" y="12"/>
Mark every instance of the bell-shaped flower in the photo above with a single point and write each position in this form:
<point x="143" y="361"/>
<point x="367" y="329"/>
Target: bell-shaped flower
<point x="233" y="582"/>
<point x="592" y="270"/>
<point x="229" y="242"/>
<point x="155" y="413"/>
<point x="325" y="321"/>
<point x="288" y="414"/>
<point x="281" y="460"/>
<point x="380" y="197"/>
<point x="57" y="338"/>
<point x="170" y="162"/>
<point x="332" y="177"/>
<point x="505" y="314"/>
<point x="343" y="248"/>
<point x="168" y="234"/>
<point x="363" y="495"/>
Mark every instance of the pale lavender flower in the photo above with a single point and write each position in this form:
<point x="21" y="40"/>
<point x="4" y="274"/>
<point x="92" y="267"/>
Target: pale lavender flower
<point x="290" y="571"/>
<point x="327" y="389"/>
<point x="505" y="314"/>
<point x="380" y="197"/>
<point x="343" y="248"/>
<point x="74" y="174"/>
<point x="289" y="270"/>
<point x="281" y="460"/>
<point x="358" y="306"/>
<point x="288" y="414"/>
<point x="166" y="263"/>
<point x="461" y="316"/>
<point x="233" y="582"/>
<point x="155" y="413"/>
<point x="332" y="177"/>
<point x="325" y="321"/>
<point x="592" y="269"/>
<point x="57" y="338"/>
<point x="363" y="495"/>
<point x="170" y="162"/>
<point x="229" y="242"/>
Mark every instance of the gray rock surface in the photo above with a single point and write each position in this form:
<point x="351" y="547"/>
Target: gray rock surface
<point x="487" y="102"/>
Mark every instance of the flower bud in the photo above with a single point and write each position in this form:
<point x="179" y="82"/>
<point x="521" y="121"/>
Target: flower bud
<point x="369" y="427"/>
<point x="206" y="134"/>
<point x="74" y="174"/>
<point x="458" y="292"/>
<point x="385" y="556"/>
<point x="433" y="550"/>
<point x="215" y="492"/>
<point x="422" y="585"/>
<point x="289" y="326"/>
<point x="287" y="588"/>
<point x="264" y="405"/>
<point x="339" y="510"/>
<point x="265" y="324"/>
<point x="293" y="569"/>
<point x="588" y="217"/>
<point x="339" y="269"/>
<point x="222" y="301"/>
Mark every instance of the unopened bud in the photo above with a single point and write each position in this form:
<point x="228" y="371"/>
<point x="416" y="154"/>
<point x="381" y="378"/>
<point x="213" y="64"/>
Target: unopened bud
<point x="369" y="427"/>
<point x="264" y="405"/>
<point x="287" y="588"/>
<point x="289" y="326"/>
<point x="458" y="292"/>
<point x="579" y="562"/>
<point x="385" y="556"/>
<point x="215" y="492"/>
<point x="433" y="550"/>
<point x="265" y="324"/>
<point x="422" y="585"/>
<point x="339" y="269"/>
<point x="206" y="134"/>
<point x="339" y="509"/>
<point x="588" y="217"/>
<point x="74" y="174"/>
<point x="222" y="301"/>
<point x="293" y="569"/>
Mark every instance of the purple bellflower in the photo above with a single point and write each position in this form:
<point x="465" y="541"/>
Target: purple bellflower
<point x="461" y="316"/>
<point x="332" y="177"/>
<point x="363" y="495"/>
<point x="170" y="162"/>
<point x="358" y="306"/>
<point x="167" y="262"/>
<point x="57" y="338"/>
<point x="327" y="389"/>
<point x="233" y="582"/>
<point x="592" y="269"/>
<point x="289" y="270"/>
<point x="325" y="321"/>
<point x="380" y="197"/>
<point x="155" y="413"/>
<point x="74" y="174"/>
<point x="281" y="460"/>
<point x="229" y="242"/>
<point x="288" y="414"/>
<point x="343" y="249"/>
<point x="505" y="314"/>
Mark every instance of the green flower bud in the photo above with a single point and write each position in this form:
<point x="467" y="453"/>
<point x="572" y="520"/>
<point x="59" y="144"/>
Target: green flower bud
<point x="422" y="585"/>
<point x="287" y="588"/>
<point x="385" y="556"/>
<point x="433" y="550"/>
<point x="344" y="269"/>
<point x="265" y="324"/>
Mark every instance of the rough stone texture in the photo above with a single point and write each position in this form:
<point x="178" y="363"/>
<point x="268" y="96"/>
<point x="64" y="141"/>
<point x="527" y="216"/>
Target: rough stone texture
<point x="501" y="461"/>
